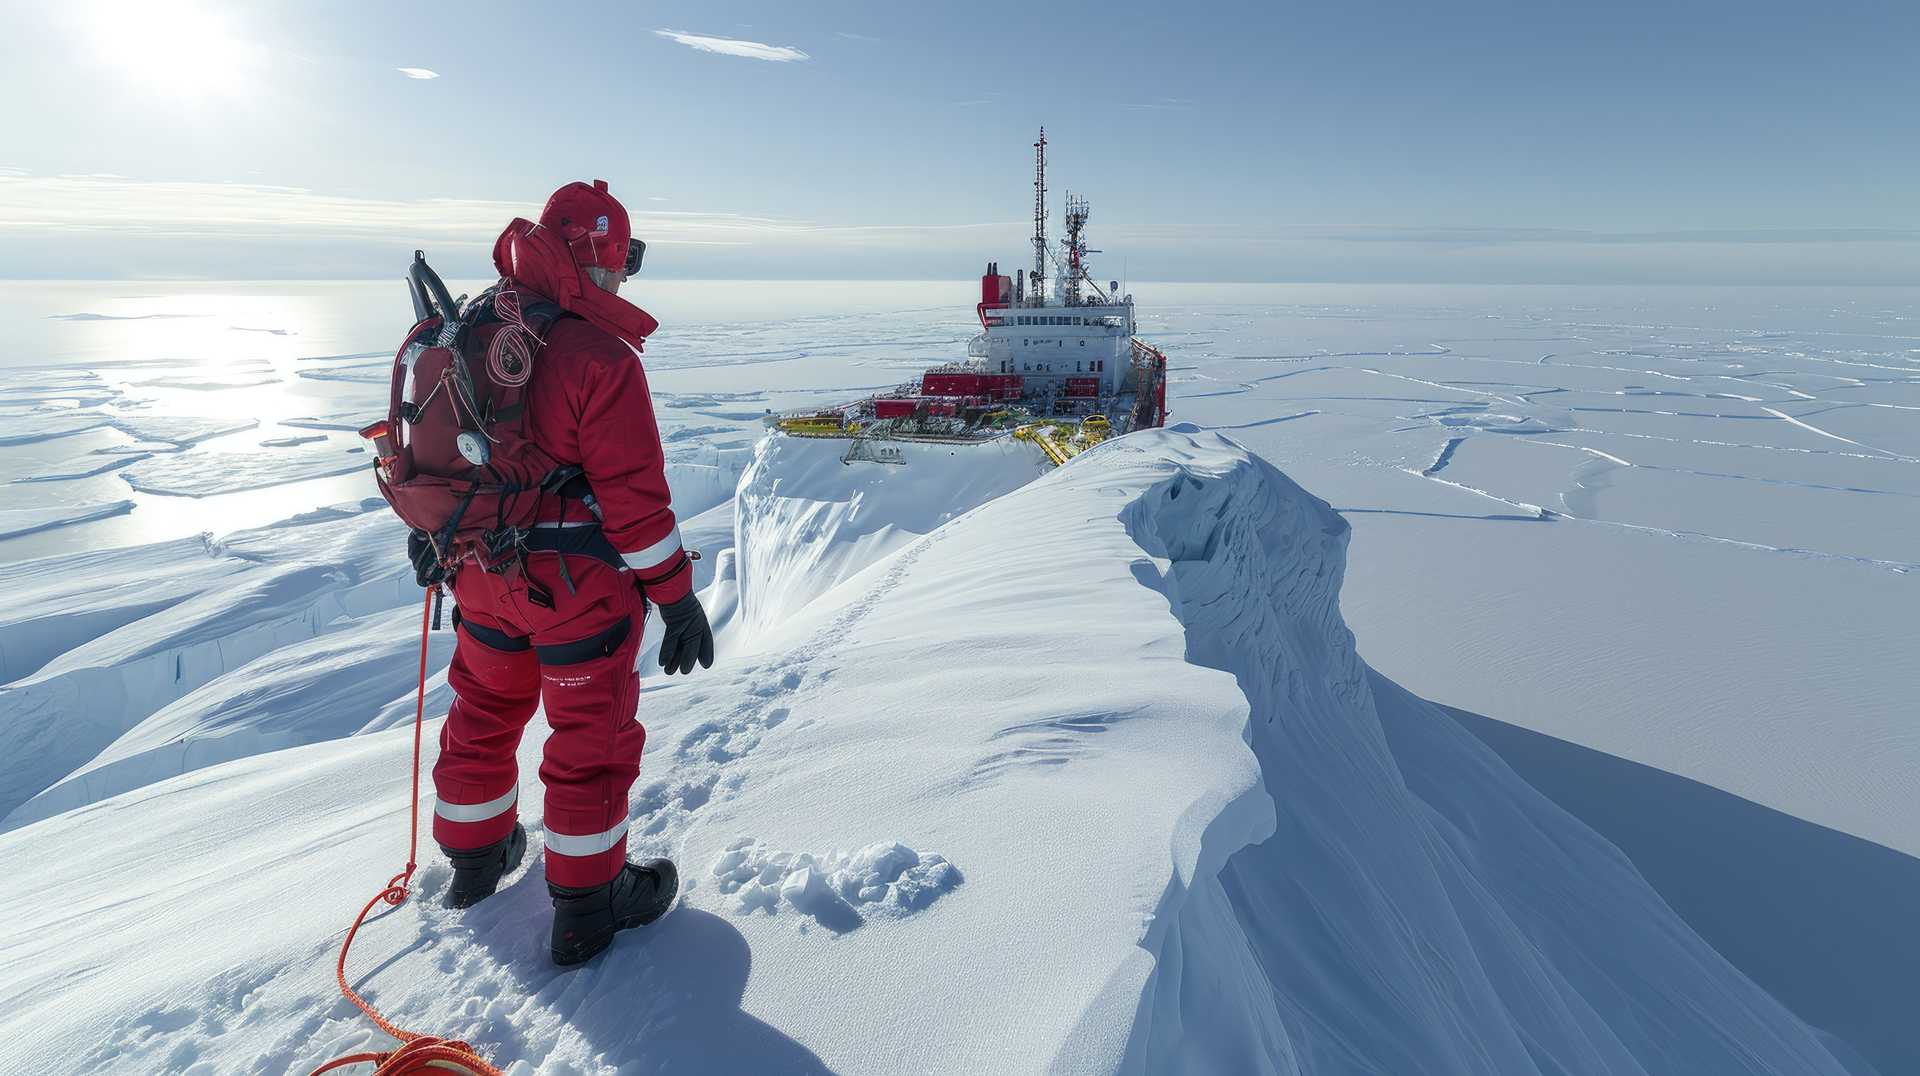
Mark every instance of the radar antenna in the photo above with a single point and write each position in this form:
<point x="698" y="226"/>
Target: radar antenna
<point x="1077" y="214"/>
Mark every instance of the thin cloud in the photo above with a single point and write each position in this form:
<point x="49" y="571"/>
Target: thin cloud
<point x="54" y="206"/>
<point x="728" y="46"/>
<point x="417" y="72"/>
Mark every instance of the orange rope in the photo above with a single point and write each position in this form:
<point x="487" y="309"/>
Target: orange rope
<point x="417" y="1053"/>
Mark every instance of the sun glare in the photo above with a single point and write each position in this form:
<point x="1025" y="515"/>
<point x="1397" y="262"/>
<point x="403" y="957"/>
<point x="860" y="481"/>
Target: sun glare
<point x="179" y="50"/>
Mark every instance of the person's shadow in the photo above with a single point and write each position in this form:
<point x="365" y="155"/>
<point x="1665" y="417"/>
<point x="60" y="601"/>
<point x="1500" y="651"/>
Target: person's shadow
<point x="669" y="1001"/>
<point x="663" y="998"/>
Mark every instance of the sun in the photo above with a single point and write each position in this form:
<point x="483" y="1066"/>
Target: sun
<point x="171" y="48"/>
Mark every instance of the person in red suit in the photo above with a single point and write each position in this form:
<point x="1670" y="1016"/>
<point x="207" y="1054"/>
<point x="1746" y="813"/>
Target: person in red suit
<point x="564" y="633"/>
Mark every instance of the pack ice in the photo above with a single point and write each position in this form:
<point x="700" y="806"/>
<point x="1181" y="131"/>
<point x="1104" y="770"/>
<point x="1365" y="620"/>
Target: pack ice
<point x="998" y="771"/>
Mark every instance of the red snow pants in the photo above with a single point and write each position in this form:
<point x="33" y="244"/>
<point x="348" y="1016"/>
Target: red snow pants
<point x="526" y="639"/>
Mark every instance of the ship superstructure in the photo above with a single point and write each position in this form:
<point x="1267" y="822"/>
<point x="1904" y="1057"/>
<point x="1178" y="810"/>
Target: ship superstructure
<point x="1056" y="361"/>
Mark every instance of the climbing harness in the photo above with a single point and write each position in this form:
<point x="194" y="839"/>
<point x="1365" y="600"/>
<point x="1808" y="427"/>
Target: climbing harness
<point x="418" y="1053"/>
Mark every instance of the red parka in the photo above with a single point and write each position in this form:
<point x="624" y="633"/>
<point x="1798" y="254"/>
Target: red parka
<point x="563" y="631"/>
<point x="589" y="404"/>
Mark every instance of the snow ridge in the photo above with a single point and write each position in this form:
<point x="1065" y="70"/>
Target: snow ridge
<point x="1198" y="833"/>
<point x="1416" y="906"/>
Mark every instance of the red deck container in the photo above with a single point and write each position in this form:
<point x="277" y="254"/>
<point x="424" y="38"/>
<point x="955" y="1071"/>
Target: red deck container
<point x="951" y="384"/>
<point x="893" y="408"/>
<point x="1082" y="386"/>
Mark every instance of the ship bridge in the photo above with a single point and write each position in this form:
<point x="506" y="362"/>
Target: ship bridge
<point x="1056" y="342"/>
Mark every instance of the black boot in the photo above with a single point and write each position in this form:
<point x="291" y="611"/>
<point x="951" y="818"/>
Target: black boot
<point x="477" y="871"/>
<point x="584" y="920"/>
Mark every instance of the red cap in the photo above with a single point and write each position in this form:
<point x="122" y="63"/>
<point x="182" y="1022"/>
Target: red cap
<point x="591" y="222"/>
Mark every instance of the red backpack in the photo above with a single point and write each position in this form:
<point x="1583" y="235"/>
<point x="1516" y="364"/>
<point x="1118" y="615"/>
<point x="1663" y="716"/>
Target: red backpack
<point x="454" y="456"/>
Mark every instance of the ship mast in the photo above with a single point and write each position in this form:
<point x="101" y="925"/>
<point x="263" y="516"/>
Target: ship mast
<point x="1038" y="282"/>
<point x="1077" y="213"/>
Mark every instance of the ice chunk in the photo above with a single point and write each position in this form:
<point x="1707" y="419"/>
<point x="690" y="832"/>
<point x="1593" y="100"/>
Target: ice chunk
<point x="45" y="427"/>
<point x="15" y="522"/>
<point x="86" y="466"/>
<point x="204" y="474"/>
<point x="335" y="420"/>
<point x="211" y="382"/>
<point x="179" y="429"/>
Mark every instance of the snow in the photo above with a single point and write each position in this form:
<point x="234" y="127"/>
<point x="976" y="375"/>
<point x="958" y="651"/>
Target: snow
<point x="18" y="521"/>
<point x="354" y="419"/>
<point x="181" y="430"/>
<point x="86" y="466"/>
<point x="796" y="491"/>
<point x="204" y="474"/>
<point x="27" y="429"/>
<point x="1199" y="835"/>
<point x="305" y="581"/>
<point x="318" y="689"/>
<point x="1734" y="607"/>
<point x="838" y="890"/>
<point x="1660" y="523"/>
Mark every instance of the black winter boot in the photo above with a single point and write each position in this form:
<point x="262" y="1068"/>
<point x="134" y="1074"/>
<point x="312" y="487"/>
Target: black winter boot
<point x="477" y="871"/>
<point x="584" y="920"/>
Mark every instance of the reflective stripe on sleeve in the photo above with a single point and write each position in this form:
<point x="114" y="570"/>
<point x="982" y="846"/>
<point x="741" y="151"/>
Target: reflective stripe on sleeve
<point x="651" y="556"/>
<point x="590" y="845"/>
<point x="476" y="812"/>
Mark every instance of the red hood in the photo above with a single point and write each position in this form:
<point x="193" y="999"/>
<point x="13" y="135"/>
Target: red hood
<point x="534" y="256"/>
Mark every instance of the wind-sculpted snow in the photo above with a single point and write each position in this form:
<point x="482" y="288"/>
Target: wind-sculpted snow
<point x="804" y="526"/>
<point x="1417" y="907"/>
<point x="309" y="581"/>
<point x="1197" y="833"/>
<point x="59" y="603"/>
<point x="315" y="689"/>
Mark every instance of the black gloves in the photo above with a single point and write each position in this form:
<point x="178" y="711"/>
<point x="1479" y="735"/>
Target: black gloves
<point x="688" y="636"/>
<point x="427" y="569"/>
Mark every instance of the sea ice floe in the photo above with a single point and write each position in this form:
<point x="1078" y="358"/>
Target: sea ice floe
<point x="179" y="429"/>
<point x="202" y="474"/>
<point x="211" y="382"/>
<point x="15" y="522"/>
<point x="27" y="429"/>
<point x="86" y="466"/>
<point x="335" y="420"/>
<point x="363" y="375"/>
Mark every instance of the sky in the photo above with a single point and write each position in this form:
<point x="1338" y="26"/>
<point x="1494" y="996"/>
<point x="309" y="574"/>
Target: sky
<point x="1484" y="141"/>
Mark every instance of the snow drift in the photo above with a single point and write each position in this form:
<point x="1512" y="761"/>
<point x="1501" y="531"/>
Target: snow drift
<point x="1081" y="773"/>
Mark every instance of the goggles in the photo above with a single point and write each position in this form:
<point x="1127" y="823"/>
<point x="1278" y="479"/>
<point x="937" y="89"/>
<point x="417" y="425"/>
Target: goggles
<point x="584" y="253"/>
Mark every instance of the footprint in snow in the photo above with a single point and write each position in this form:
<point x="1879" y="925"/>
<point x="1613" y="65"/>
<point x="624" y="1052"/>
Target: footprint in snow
<point x="838" y="890"/>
